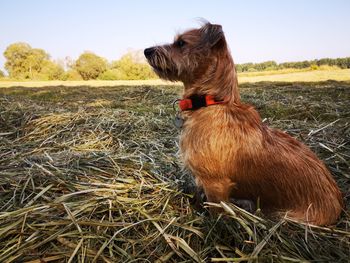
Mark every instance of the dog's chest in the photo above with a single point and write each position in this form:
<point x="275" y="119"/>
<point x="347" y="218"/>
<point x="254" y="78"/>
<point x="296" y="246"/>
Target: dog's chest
<point x="207" y="146"/>
<point x="212" y="142"/>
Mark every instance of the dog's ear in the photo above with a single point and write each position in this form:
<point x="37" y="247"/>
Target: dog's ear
<point x="213" y="35"/>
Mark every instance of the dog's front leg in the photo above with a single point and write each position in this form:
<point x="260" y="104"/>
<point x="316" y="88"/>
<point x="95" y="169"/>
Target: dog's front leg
<point x="217" y="190"/>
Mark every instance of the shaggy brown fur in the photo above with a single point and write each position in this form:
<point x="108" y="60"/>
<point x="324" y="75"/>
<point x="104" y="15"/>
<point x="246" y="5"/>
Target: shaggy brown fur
<point x="228" y="149"/>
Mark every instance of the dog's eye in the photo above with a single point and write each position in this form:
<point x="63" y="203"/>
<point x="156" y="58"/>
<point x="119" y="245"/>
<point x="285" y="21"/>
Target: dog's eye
<point x="180" y="43"/>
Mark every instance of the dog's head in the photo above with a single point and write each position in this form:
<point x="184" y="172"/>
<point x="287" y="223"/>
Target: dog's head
<point x="190" y="56"/>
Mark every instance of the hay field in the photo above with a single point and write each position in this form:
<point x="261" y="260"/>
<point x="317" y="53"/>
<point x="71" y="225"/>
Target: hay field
<point x="91" y="174"/>
<point x="286" y="75"/>
<point x="290" y="75"/>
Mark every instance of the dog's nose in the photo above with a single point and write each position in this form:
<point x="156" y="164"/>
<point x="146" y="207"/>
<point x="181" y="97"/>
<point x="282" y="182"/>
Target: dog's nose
<point x="149" y="51"/>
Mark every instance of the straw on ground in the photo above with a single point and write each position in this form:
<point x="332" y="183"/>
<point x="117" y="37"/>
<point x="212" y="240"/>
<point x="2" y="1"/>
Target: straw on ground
<point x="91" y="174"/>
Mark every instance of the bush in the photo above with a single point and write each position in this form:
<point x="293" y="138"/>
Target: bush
<point x="314" y="67"/>
<point x="131" y="70"/>
<point x="51" y="71"/>
<point x="112" y="74"/>
<point x="251" y="70"/>
<point x="327" y="67"/>
<point x="2" y="74"/>
<point x="71" y="74"/>
<point x="90" y="66"/>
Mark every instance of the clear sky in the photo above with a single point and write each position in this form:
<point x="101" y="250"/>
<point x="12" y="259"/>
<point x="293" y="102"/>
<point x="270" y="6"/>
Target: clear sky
<point x="257" y="30"/>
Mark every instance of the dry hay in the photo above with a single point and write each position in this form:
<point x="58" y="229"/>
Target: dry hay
<point x="85" y="181"/>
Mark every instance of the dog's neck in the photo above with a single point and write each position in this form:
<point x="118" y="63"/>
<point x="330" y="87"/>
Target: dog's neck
<point x="219" y="80"/>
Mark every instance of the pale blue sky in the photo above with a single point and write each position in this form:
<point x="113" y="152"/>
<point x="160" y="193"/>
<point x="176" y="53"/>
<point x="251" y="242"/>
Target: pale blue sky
<point x="281" y="30"/>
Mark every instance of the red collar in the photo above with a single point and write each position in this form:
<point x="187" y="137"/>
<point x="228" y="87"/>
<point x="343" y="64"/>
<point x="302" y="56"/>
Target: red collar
<point x="198" y="101"/>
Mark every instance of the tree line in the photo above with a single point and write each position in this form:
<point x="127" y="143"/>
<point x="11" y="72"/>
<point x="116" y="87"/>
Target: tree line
<point x="26" y="63"/>
<point x="342" y="63"/>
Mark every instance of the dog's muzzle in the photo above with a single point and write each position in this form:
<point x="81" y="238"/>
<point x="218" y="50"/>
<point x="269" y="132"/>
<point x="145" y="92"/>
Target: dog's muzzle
<point x="149" y="52"/>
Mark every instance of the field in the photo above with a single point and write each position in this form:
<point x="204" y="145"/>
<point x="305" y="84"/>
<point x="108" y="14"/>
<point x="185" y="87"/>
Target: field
<point x="286" y="75"/>
<point x="290" y="75"/>
<point x="91" y="174"/>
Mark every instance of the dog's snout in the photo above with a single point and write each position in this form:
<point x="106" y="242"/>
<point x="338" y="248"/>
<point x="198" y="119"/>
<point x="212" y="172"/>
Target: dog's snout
<point x="149" y="51"/>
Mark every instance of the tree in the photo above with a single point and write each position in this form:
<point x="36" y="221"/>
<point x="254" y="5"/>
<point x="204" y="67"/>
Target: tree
<point x="1" y="74"/>
<point x="23" y="61"/>
<point x="90" y="66"/>
<point x="36" y="60"/>
<point x="15" y="55"/>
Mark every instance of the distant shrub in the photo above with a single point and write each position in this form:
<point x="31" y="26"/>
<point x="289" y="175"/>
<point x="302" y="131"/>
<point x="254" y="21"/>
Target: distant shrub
<point x="112" y="74"/>
<point x="251" y="70"/>
<point x="2" y="74"/>
<point x="327" y="67"/>
<point x="314" y="67"/>
<point x="90" y="66"/>
<point x="71" y="74"/>
<point x="128" y="69"/>
<point x="51" y="71"/>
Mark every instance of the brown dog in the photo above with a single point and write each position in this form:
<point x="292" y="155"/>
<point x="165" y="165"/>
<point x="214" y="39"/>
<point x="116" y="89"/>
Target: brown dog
<point x="224" y="143"/>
